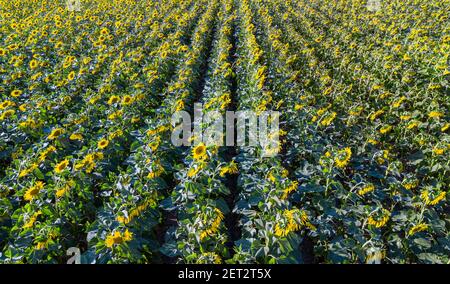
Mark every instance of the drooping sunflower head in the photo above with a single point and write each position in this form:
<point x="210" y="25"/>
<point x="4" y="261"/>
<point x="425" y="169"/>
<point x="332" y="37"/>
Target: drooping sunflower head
<point x="209" y="258"/>
<point x="435" y="114"/>
<point x="76" y="136"/>
<point x="6" y="114"/>
<point x="379" y="218"/>
<point x="366" y="189"/>
<point x="418" y="228"/>
<point x="60" y="167"/>
<point x="55" y="133"/>
<point x="343" y="157"/>
<point x="113" y="100"/>
<point x="385" y="129"/>
<point x="410" y="183"/>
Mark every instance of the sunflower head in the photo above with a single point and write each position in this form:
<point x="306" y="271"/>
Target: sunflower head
<point x="435" y="114"/>
<point x="71" y="76"/>
<point x="7" y="113"/>
<point x="113" y="100"/>
<point x="76" y="136"/>
<point x="55" y="133"/>
<point x="104" y="31"/>
<point x="343" y="157"/>
<point x="33" y="64"/>
<point x="127" y="100"/>
<point x="199" y="152"/>
<point x="102" y="144"/>
<point x="16" y="93"/>
<point x="117" y="238"/>
<point x="33" y="191"/>
<point x="60" y="167"/>
<point x="385" y="129"/>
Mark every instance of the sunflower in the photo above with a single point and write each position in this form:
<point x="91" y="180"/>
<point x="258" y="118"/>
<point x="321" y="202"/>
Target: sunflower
<point x="76" y="136"/>
<point x="291" y="188"/>
<point x="229" y="169"/>
<point x="412" y="124"/>
<point x="376" y="114"/>
<point x="291" y="221"/>
<point x="86" y="60"/>
<point x="2" y="52"/>
<point x="343" y="157"/>
<point x="71" y="76"/>
<point x="439" y="150"/>
<point x="16" y="93"/>
<point x="417" y="228"/>
<point x="193" y="171"/>
<point x="381" y="219"/>
<point x="432" y="200"/>
<point x="179" y="105"/>
<point x="6" y="114"/>
<point x="375" y="256"/>
<point x="212" y="229"/>
<point x="33" y="64"/>
<point x="127" y="235"/>
<point x="118" y="238"/>
<point x="104" y="31"/>
<point x="33" y="191"/>
<point x="113" y="100"/>
<point x="156" y="171"/>
<point x="55" y="133"/>
<point x="385" y="129"/>
<point x="445" y="127"/>
<point x="6" y="104"/>
<point x="328" y="119"/>
<point x="154" y="145"/>
<point x="61" y="191"/>
<point x="115" y="238"/>
<point x="366" y="189"/>
<point x="410" y="184"/>
<point x="209" y="258"/>
<point x="199" y="152"/>
<point x="61" y="166"/>
<point x="102" y="144"/>
<point x="127" y="100"/>
<point x="435" y="114"/>
<point x="32" y="220"/>
<point x="13" y="46"/>
<point x="27" y="171"/>
<point x="23" y="107"/>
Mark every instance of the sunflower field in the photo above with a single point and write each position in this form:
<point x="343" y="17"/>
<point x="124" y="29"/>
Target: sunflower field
<point x="88" y="89"/>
